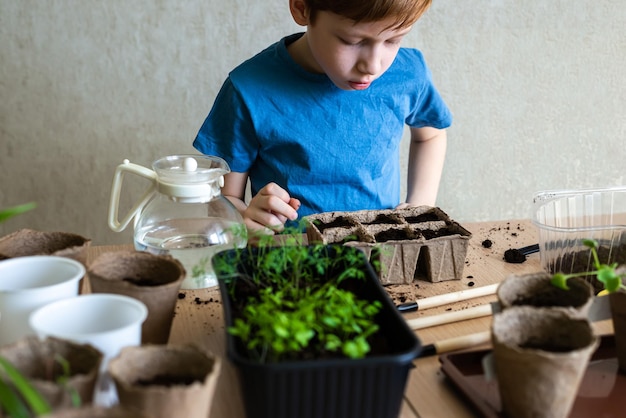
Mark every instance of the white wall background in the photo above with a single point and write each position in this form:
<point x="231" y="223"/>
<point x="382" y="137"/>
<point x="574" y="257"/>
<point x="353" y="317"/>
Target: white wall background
<point x="537" y="90"/>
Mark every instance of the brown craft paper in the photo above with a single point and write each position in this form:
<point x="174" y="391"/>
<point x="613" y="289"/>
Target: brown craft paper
<point x="153" y="279"/>
<point x="534" y="382"/>
<point x="25" y="242"/>
<point x="536" y="290"/>
<point x="135" y="364"/>
<point x="34" y="358"/>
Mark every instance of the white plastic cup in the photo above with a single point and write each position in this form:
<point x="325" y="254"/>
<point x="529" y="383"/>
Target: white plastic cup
<point x="106" y="321"/>
<point x="27" y="283"/>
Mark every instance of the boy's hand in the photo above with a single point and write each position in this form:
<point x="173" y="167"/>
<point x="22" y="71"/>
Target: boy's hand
<point x="270" y="209"/>
<point x="403" y="206"/>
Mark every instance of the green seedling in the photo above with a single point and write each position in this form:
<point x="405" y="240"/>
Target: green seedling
<point x="20" y="399"/>
<point x="15" y="210"/>
<point x="605" y="273"/>
<point x="297" y="300"/>
<point x="64" y="378"/>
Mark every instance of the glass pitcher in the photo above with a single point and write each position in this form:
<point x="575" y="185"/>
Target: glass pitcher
<point x="182" y="213"/>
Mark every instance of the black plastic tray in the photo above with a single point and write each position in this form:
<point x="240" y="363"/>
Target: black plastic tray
<point x="372" y="387"/>
<point x="601" y="393"/>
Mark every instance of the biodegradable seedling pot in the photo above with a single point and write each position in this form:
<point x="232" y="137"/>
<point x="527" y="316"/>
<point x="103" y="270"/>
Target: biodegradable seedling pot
<point x="406" y="243"/>
<point x="540" y="357"/>
<point x="37" y="360"/>
<point x="164" y="381"/>
<point x="308" y="383"/>
<point x="25" y="242"/>
<point x="153" y="279"/>
<point x="536" y="289"/>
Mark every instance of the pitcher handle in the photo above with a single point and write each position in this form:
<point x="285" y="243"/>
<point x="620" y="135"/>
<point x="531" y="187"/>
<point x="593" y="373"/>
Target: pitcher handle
<point x="116" y="187"/>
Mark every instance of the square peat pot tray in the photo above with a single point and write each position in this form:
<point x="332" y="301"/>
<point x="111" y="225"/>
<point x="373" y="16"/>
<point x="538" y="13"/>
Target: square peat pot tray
<point x="417" y="242"/>
<point x="601" y="392"/>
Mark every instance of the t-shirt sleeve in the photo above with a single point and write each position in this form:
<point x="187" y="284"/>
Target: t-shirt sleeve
<point x="428" y="108"/>
<point x="227" y="131"/>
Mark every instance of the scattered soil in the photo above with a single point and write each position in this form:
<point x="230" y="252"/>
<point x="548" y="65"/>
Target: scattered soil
<point x="199" y="301"/>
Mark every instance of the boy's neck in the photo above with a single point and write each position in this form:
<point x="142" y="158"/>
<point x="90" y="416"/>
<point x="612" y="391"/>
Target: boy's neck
<point x="301" y="53"/>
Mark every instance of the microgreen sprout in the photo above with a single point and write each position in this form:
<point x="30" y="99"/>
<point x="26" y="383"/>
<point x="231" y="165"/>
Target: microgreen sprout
<point x="604" y="273"/>
<point x="64" y="380"/>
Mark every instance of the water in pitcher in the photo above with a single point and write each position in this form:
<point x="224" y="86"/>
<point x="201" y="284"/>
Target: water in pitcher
<point x="193" y="242"/>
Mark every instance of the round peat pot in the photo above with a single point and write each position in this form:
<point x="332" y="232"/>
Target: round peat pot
<point x="537" y="290"/>
<point x="149" y="278"/>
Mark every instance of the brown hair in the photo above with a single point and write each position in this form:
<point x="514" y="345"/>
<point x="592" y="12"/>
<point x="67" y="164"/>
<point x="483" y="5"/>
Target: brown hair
<point x="405" y="12"/>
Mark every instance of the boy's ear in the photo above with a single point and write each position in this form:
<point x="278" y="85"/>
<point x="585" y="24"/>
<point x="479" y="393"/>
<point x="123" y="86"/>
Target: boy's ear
<point x="299" y="12"/>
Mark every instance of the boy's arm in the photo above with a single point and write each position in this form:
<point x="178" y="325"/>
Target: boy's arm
<point x="268" y="210"/>
<point x="427" y="153"/>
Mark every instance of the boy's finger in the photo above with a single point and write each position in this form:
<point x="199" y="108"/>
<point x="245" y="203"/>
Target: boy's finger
<point x="294" y="203"/>
<point x="273" y="189"/>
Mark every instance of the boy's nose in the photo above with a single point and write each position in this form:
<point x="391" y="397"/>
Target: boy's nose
<point x="369" y="62"/>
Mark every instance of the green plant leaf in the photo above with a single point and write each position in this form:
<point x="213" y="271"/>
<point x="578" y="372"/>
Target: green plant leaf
<point x="11" y="402"/>
<point x="560" y="280"/>
<point x="604" y="273"/>
<point x="16" y="210"/>
<point x="37" y="403"/>
<point x="295" y="300"/>
<point x="591" y="243"/>
<point x="610" y="279"/>
<point x="304" y="336"/>
<point x="65" y="379"/>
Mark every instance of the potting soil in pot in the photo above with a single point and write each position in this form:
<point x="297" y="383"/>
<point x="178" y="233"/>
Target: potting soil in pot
<point x="582" y="261"/>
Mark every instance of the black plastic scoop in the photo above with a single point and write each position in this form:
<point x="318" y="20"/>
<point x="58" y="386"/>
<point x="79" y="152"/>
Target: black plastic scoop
<point x="518" y="255"/>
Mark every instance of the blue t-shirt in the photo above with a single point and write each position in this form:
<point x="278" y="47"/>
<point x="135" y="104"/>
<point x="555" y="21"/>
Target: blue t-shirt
<point x="333" y="149"/>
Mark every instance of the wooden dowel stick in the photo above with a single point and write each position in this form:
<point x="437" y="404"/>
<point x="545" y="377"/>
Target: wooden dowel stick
<point x="449" y="317"/>
<point x="456" y="343"/>
<point x="433" y="301"/>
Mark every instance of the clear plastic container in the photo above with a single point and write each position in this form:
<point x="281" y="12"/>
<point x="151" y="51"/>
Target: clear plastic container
<point x="565" y="217"/>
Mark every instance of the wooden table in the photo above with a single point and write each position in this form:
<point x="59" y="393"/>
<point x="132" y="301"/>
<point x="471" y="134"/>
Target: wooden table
<point x="428" y="393"/>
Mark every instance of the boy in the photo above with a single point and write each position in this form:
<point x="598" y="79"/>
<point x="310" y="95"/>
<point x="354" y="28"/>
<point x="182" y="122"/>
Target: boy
<point x="315" y="120"/>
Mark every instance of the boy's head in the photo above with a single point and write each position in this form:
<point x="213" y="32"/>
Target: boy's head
<point x="353" y="42"/>
<point x="403" y="12"/>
